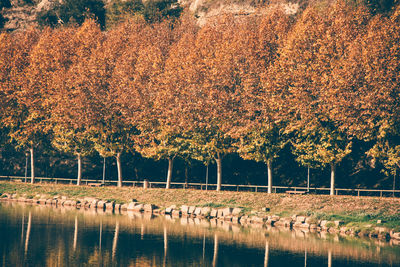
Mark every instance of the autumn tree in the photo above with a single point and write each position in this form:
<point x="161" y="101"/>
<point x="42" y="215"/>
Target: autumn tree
<point x="254" y="50"/>
<point x="200" y="87"/>
<point x="380" y="57"/>
<point x="25" y="117"/>
<point x="307" y="82"/>
<point x="92" y="108"/>
<point x="368" y="104"/>
<point x="112" y="133"/>
<point x="137" y="79"/>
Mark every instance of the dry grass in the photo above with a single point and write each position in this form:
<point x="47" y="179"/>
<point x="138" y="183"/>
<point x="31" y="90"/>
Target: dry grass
<point x="346" y="208"/>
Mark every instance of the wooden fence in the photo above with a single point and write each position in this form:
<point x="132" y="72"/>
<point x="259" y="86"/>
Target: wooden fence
<point x="226" y="187"/>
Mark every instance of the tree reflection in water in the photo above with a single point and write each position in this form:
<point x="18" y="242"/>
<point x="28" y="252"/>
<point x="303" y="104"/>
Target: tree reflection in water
<point x="74" y="237"/>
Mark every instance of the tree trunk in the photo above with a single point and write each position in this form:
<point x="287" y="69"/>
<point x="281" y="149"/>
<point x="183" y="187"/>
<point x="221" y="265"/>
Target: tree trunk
<point x="219" y="172"/>
<point x="269" y="166"/>
<point x="333" y="171"/>
<point x="169" y="174"/>
<point x="118" y="157"/>
<point x="32" y="167"/>
<point x="79" y="178"/>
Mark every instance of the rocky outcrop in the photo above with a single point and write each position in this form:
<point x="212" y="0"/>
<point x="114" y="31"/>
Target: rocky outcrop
<point x="22" y="14"/>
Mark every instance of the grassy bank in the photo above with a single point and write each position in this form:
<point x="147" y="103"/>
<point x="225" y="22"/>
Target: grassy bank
<point x="353" y="211"/>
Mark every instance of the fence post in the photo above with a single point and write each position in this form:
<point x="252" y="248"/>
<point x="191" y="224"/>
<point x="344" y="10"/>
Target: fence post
<point x="358" y="192"/>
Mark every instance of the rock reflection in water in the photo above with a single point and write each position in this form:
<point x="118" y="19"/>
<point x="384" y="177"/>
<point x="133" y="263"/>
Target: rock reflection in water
<point x="48" y="236"/>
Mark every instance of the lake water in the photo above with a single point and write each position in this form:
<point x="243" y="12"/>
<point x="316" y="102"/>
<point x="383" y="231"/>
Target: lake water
<point x="49" y="236"/>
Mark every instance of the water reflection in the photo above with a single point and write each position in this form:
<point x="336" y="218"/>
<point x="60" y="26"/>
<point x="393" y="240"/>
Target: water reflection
<point x="46" y="236"/>
<point x="329" y="258"/>
<point x="28" y="232"/>
<point x="215" y="256"/>
<point x="115" y="240"/>
<point x="75" y="232"/>
<point x="266" y="254"/>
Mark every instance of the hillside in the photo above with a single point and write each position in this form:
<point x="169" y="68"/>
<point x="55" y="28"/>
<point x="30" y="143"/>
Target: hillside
<point x="23" y="13"/>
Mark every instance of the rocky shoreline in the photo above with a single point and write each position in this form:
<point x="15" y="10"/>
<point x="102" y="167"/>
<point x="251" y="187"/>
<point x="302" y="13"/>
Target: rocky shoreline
<point x="232" y="215"/>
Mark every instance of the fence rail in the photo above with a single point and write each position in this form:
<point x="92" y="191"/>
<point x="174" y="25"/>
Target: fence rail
<point x="226" y="187"/>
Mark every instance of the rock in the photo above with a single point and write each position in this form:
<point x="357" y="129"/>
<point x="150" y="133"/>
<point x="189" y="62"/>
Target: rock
<point x="205" y="211"/>
<point x="176" y="213"/>
<point x="93" y="204"/>
<point x="323" y="223"/>
<point x="131" y="205"/>
<point x="170" y="209"/>
<point x="235" y="219"/>
<point x="270" y="222"/>
<point x="380" y="221"/>
<point x="236" y="211"/>
<point x="101" y="205"/>
<point x="297" y="224"/>
<point x="124" y="207"/>
<point x="149" y="207"/>
<point x="332" y="230"/>
<point x="184" y="209"/>
<point x="227" y="218"/>
<point x="73" y="203"/>
<point x="138" y="207"/>
<point x="243" y="219"/>
<point x="157" y="211"/>
<point x="300" y="219"/>
<point x="256" y="219"/>
<point x="338" y="223"/>
<point x="191" y="210"/>
<point x="305" y="226"/>
<point x="284" y="222"/>
<point x="110" y="205"/>
<point x="381" y="230"/>
<point x="117" y="207"/>
<point x="309" y="220"/>
<point x="395" y="235"/>
<point x="214" y="213"/>
<point x="197" y="211"/>
<point x="265" y="209"/>
<point x="220" y="213"/>
<point x="227" y="212"/>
